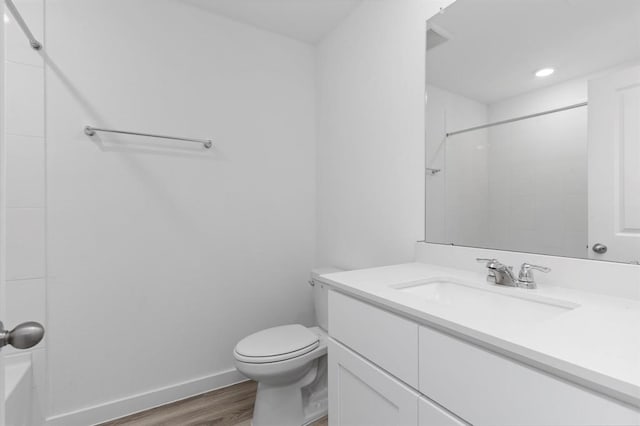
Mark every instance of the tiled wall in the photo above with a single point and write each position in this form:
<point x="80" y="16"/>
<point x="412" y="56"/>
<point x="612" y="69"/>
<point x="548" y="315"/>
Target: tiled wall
<point x="538" y="173"/>
<point x="24" y="189"/>
<point x="457" y="196"/>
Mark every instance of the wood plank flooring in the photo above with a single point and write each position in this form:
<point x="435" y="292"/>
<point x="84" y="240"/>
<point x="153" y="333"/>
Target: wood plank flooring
<point x="230" y="406"/>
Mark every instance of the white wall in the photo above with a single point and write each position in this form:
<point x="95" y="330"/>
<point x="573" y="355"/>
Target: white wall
<point x="458" y="196"/>
<point x="538" y="173"/>
<point x="163" y="255"/>
<point x="371" y="150"/>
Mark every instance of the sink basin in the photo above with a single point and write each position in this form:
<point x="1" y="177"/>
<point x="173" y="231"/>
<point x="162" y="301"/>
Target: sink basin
<point x="491" y="304"/>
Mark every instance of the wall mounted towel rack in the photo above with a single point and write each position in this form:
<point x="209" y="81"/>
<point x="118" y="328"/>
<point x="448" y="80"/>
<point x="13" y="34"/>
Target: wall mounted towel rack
<point x="16" y="15"/>
<point x="91" y="131"/>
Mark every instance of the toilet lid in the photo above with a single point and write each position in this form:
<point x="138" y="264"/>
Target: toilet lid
<point x="276" y="344"/>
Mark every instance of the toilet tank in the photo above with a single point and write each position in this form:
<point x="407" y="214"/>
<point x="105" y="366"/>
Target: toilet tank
<point x="321" y="296"/>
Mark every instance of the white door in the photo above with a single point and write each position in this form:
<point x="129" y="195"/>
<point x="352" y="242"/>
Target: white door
<point x="361" y="394"/>
<point x="2" y="231"/>
<point x="2" y="422"/>
<point x="2" y="302"/>
<point x="614" y="166"/>
<point x="1" y="356"/>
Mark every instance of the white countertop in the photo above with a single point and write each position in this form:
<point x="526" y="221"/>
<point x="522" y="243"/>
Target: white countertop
<point x="596" y="344"/>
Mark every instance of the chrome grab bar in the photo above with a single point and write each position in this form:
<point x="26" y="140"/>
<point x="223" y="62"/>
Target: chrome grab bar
<point x="91" y="131"/>
<point x="16" y="15"/>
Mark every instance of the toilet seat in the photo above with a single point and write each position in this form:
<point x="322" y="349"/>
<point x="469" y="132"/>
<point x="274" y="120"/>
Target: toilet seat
<point x="276" y="344"/>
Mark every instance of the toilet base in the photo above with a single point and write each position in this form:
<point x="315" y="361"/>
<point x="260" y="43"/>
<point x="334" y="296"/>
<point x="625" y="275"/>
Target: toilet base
<point x="297" y="404"/>
<point x="278" y="405"/>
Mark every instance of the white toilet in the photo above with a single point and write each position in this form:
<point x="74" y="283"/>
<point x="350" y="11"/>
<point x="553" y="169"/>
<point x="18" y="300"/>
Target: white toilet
<point x="290" y="365"/>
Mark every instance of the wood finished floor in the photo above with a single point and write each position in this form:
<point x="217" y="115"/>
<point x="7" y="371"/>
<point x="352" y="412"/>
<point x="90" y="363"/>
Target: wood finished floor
<point x="231" y="406"/>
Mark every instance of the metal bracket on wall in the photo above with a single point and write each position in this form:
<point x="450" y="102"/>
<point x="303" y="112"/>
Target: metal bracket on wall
<point x="35" y="44"/>
<point x="433" y="171"/>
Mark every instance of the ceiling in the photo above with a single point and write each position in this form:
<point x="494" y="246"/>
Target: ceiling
<point x="304" y="20"/>
<point x="495" y="46"/>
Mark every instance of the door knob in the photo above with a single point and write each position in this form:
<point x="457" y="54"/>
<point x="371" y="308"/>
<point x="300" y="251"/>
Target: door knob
<point x="24" y="336"/>
<point x="599" y="248"/>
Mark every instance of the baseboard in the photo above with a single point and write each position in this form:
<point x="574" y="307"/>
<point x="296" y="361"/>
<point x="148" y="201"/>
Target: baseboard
<point x="144" y="401"/>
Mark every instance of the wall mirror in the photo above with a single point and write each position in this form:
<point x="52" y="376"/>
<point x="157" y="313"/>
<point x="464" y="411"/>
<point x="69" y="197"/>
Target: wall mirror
<point x="533" y="127"/>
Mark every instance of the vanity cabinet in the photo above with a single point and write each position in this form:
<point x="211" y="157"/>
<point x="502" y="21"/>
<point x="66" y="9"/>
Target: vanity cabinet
<point x="364" y="394"/>
<point x="488" y="389"/>
<point x="388" y="340"/>
<point x="385" y="369"/>
<point x="367" y="395"/>
<point x="430" y="414"/>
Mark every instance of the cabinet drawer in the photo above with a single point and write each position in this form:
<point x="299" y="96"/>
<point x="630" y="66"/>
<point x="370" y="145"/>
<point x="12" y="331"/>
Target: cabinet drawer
<point x="487" y="389"/>
<point x="386" y="339"/>
<point x="429" y="414"/>
<point x="361" y="394"/>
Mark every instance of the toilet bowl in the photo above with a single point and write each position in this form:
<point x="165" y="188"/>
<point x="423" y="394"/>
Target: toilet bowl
<point x="290" y="365"/>
<point x="286" y="367"/>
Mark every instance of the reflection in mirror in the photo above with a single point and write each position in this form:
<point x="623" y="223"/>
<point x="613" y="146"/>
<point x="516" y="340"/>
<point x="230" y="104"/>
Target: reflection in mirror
<point x="533" y="127"/>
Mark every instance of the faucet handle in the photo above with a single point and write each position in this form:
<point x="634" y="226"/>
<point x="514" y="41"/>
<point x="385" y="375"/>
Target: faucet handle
<point x="525" y="277"/>
<point x="491" y="265"/>
<point x="527" y="267"/>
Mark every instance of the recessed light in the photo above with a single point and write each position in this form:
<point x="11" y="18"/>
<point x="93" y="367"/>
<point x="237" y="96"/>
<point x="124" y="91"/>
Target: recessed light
<point x="545" y="72"/>
<point x="6" y="18"/>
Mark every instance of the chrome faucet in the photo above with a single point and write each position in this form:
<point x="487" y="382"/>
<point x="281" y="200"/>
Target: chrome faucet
<point x="501" y="274"/>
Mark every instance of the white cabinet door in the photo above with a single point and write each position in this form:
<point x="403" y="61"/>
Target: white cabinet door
<point x="487" y="389"/>
<point x="361" y="394"/>
<point x="614" y="165"/>
<point x="430" y="414"/>
<point x="387" y="340"/>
